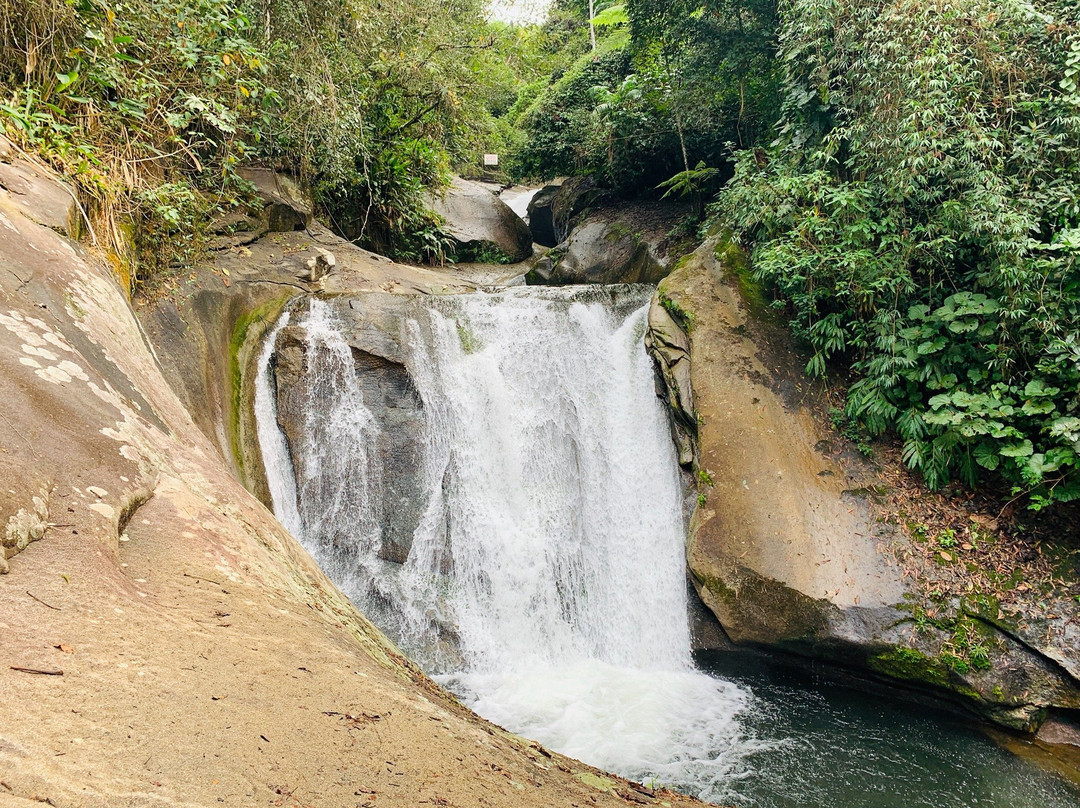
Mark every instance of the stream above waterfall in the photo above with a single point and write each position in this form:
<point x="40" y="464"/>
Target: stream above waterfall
<point x="504" y="501"/>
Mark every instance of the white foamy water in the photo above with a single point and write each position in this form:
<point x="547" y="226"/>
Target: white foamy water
<point x="551" y="544"/>
<point x="275" y="451"/>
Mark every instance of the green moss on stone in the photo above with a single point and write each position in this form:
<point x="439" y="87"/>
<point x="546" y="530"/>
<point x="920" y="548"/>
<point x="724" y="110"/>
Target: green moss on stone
<point x="683" y="317"/>
<point x="470" y="343"/>
<point x="909" y="664"/>
<point x="259" y="318"/>
<point x="596" y="781"/>
<point x="735" y="261"/>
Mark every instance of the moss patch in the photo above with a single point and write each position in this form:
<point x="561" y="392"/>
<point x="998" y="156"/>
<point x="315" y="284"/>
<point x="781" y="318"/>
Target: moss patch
<point x="908" y="664"/>
<point x="737" y="265"/>
<point x="683" y="317"/>
<point x="258" y="319"/>
<point x="596" y="781"/>
<point x="470" y="343"/>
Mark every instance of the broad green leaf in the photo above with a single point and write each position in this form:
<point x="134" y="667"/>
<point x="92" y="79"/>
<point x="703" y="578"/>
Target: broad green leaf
<point x="613" y="15"/>
<point x="1037" y="387"/>
<point x="986" y="455"/>
<point x="1038" y="407"/>
<point x="1022" y="449"/>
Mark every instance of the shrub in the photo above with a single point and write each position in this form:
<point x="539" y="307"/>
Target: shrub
<point x="919" y="221"/>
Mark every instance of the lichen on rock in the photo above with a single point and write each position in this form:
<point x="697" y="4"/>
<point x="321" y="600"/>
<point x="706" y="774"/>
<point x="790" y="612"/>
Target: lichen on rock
<point x="24" y="527"/>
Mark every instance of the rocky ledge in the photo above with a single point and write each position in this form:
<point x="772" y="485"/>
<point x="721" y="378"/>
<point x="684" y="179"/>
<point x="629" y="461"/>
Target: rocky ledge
<point x="792" y="544"/>
<point x="163" y="640"/>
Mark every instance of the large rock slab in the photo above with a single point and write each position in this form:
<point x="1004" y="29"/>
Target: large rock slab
<point x="669" y="346"/>
<point x="38" y="194"/>
<point x="599" y="252"/>
<point x="784" y="545"/>
<point x="165" y="641"/>
<point x="545" y="231"/>
<point x="287" y="204"/>
<point x="479" y="220"/>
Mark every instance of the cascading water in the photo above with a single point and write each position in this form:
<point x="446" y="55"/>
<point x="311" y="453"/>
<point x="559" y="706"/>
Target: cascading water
<point x="566" y="537"/>
<point x="275" y="452"/>
<point x="544" y="580"/>
<point x="550" y="549"/>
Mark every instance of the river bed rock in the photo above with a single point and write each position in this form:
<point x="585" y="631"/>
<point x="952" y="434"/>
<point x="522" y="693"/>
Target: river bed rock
<point x="599" y="252"/>
<point x="786" y="546"/>
<point x="479" y="222"/>
<point x="165" y="641"/>
<point x="375" y="329"/>
<point x="552" y="212"/>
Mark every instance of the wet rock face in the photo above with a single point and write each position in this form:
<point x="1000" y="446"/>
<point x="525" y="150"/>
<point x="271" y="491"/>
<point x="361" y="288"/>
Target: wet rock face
<point x="542" y="223"/>
<point x="477" y="219"/>
<point x="669" y="347"/>
<point x="374" y="329"/>
<point x="599" y="252"/>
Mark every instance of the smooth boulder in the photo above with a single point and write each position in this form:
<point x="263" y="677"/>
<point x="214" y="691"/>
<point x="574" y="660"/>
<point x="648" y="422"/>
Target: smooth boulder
<point x="787" y="545"/>
<point x="478" y="220"/>
<point x="554" y="208"/>
<point x="599" y="252"/>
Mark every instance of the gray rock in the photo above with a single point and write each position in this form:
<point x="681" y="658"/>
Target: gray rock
<point x="287" y="205"/>
<point x="40" y="197"/>
<point x="319" y="265"/>
<point x="602" y="252"/>
<point x="237" y="229"/>
<point x="553" y="210"/>
<point x="669" y="347"/>
<point x="541" y="216"/>
<point x="478" y="219"/>
<point x="542" y="270"/>
<point x="374" y="327"/>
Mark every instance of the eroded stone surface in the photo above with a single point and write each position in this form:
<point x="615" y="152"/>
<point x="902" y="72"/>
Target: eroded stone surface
<point x="39" y="196"/>
<point x="600" y="252"/>
<point x="375" y="328"/>
<point x="784" y="546"/>
<point x="475" y="217"/>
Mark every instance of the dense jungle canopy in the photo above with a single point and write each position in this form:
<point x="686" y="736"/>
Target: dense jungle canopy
<point x="905" y="174"/>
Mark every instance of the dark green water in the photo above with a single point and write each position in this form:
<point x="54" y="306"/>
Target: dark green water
<point x="840" y="747"/>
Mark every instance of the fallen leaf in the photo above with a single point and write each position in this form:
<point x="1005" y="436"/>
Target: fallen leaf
<point x="944" y="556"/>
<point x="67" y="649"/>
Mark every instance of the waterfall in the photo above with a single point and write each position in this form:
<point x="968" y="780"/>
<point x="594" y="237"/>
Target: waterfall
<point x="545" y="584"/>
<point x="275" y="452"/>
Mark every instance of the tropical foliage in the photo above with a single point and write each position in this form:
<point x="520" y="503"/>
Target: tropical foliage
<point x="151" y="106"/>
<point x="669" y="85"/>
<point x="918" y="219"/>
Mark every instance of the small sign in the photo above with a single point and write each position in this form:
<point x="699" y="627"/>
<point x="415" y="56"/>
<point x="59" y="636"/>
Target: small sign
<point x="491" y="159"/>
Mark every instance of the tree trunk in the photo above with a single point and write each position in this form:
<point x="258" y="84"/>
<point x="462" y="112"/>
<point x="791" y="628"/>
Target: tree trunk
<point x="592" y="28"/>
<point x="682" y="139"/>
